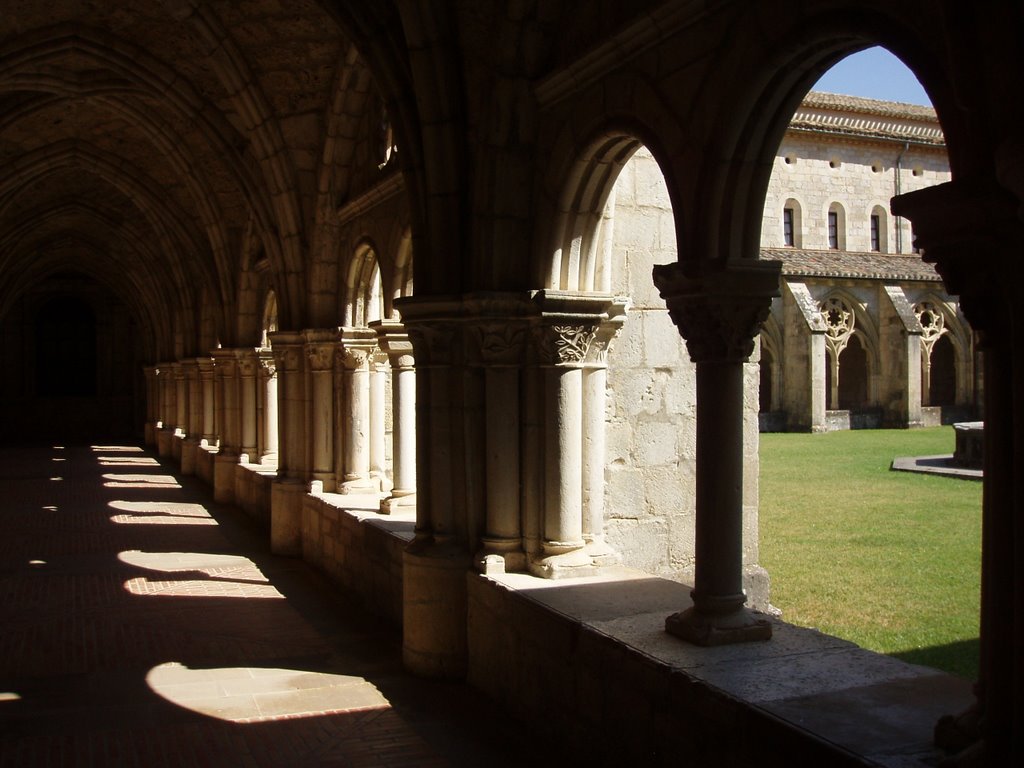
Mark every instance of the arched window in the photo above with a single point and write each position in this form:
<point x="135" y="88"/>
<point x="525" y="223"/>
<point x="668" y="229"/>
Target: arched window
<point x="792" y="224"/>
<point x="836" y="227"/>
<point x="879" y="230"/>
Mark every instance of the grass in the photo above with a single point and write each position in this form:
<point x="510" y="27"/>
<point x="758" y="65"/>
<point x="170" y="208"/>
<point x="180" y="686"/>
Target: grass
<point x="888" y="560"/>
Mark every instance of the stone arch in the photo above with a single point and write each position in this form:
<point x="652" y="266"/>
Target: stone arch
<point x="401" y="284"/>
<point x="846" y="320"/>
<point x="363" y="288"/>
<point x="940" y="321"/>
<point x="770" y="374"/>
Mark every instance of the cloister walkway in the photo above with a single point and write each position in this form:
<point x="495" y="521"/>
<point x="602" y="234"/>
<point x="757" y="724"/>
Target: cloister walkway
<point x="143" y="625"/>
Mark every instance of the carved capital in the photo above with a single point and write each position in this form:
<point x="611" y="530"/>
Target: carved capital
<point x="717" y="309"/>
<point x="248" y="362"/>
<point x="205" y="368"/>
<point x="320" y="355"/>
<point x="268" y="367"/>
<point x="564" y="344"/>
<point x="225" y="361"/>
<point x="354" y="358"/>
<point x="433" y="342"/>
<point x="969" y="229"/>
<point x="500" y="342"/>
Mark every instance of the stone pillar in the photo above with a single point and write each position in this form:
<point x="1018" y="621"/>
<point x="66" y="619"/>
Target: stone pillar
<point x="497" y="334"/>
<point x="900" y="381"/>
<point x="595" y="389"/>
<point x="357" y="346"/>
<point x="378" y="420"/>
<point x="804" y="396"/>
<point x="152" y="405"/>
<point x="193" y="416"/>
<point x="168" y="409"/>
<point x="248" y="364"/>
<point x="436" y="562"/>
<point x="180" y="410"/>
<point x="207" y="381"/>
<point x="226" y="400"/>
<point x="972" y="230"/>
<point x="393" y="339"/>
<point x="290" y="486"/>
<point x="567" y="328"/>
<point x="268" y="408"/>
<point x="320" y="348"/>
<point x="719" y="312"/>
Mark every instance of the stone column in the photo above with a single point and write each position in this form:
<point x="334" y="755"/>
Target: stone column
<point x="180" y="410"/>
<point x="152" y="405"/>
<point x="436" y="561"/>
<point x="395" y="342"/>
<point x="378" y="420"/>
<point x="972" y="230"/>
<point x="497" y="336"/>
<point x="290" y="486"/>
<point x="357" y="346"/>
<point x="226" y="401"/>
<point x="719" y="312"/>
<point x="567" y="328"/>
<point x="168" y="409"/>
<point x="320" y="348"/>
<point x="248" y="364"/>
<point x="208" y="387"/>
<point x="595" y="389"/>
<point x="268" y="410"/>
<point x="193" y="417"/>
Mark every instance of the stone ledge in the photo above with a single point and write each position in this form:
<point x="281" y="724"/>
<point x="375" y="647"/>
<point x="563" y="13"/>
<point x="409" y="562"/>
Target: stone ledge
<point x="589" y="661"/>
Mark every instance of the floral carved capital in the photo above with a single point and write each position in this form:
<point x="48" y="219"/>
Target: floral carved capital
<point x="564" y="344"/>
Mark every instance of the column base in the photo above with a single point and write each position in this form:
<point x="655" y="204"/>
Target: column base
<point x="224" y="477"/>
<point x="189" y="450"/>
<point x="286" y="516"/>
<point x="710" y="629"/>
<point x="406" y="502"/>
<point x="564" y="565"/>
<point x="601" y="553"/>
<point x="434" y="609"/>
<point x="361" y="486"/>
<point x="164" y="439"/>
<point x="500" y="556"/>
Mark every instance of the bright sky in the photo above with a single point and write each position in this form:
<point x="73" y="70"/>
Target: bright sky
<point x="873" y="73"/>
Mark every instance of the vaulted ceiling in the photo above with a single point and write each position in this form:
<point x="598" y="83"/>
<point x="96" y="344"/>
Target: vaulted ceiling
<point x="159" y="147"/>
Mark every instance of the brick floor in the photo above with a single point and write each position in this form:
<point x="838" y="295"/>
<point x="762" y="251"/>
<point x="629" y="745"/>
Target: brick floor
<point x="142" y="625"/>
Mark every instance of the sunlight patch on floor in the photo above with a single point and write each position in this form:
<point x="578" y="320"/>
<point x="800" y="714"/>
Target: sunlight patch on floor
<point x="246" y="694"/>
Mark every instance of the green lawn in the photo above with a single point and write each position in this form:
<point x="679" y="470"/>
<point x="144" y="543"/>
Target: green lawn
<point x="889" y="560"/>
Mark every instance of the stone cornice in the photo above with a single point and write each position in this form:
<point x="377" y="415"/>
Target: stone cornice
<point x="849" y="116"/>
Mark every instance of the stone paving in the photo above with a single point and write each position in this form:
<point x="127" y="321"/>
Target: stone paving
<point x="143" y="625"/>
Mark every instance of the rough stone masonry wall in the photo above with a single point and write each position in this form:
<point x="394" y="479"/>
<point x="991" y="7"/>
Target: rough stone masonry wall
<point x="651" y="412"/>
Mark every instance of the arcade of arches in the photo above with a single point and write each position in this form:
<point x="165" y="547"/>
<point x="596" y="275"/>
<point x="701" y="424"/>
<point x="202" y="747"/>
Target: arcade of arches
<point x="331" y="251"/>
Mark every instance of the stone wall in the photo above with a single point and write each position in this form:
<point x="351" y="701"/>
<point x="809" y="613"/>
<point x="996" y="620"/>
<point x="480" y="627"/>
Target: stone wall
<point x="651" y="415"/>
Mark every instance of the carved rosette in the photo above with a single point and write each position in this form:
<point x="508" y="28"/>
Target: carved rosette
<point x="839" y="319"/>
<point x="719" y="311"/>
<point x="933" y="324"/>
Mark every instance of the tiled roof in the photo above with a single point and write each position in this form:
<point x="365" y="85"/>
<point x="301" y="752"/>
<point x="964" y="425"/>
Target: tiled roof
<point x="852" y="264"/>
<point x="853" y="116"/>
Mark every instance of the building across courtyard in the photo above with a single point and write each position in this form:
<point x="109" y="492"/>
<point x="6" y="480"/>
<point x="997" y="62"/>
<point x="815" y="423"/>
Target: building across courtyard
<point x="864" y="333"/>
